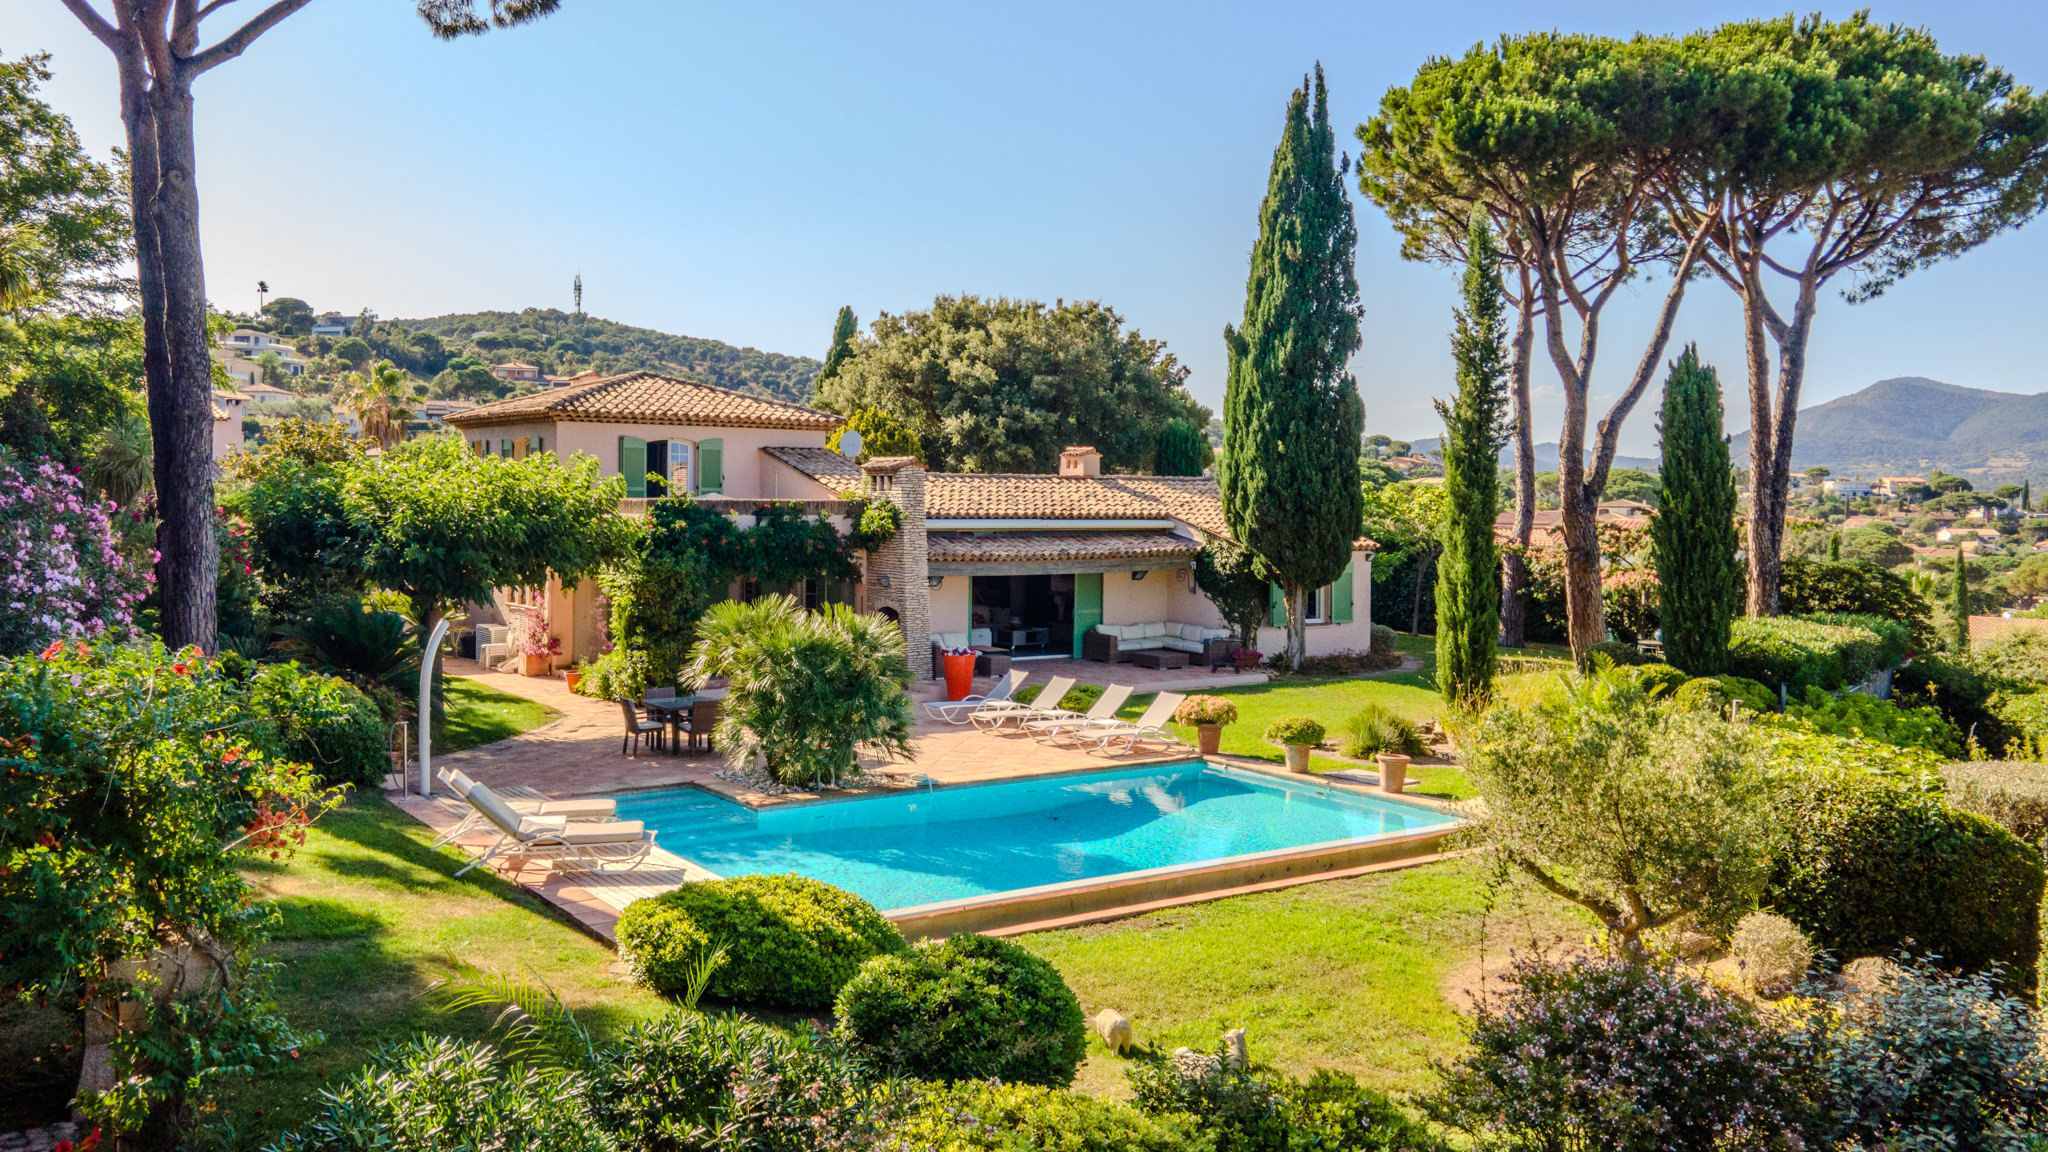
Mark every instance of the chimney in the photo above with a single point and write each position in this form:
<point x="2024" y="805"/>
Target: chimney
<point x="1080" y="461"/>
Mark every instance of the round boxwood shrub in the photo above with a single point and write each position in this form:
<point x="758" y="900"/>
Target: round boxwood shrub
<point x="1295" y="730"/>
<point x="966" y="1008"/>
<point x="1623" y="655"/>
<point x="788" y="940"/>
<point x="1871" y="866"/>
<point x="319" y="720"/>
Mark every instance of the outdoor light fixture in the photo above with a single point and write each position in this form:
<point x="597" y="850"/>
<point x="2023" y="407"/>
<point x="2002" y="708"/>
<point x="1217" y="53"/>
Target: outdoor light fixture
<point x="1138" y="575"/>
<point x="937" y="580"/>
<point x="885" y="579"/>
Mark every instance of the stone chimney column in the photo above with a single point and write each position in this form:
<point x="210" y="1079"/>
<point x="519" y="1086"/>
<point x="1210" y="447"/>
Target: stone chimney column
<point x="898" y="575"/>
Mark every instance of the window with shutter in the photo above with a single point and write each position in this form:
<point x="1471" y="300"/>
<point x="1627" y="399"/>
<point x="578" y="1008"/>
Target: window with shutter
<point x="633" y="465"/>
<point x="711" y="466"/>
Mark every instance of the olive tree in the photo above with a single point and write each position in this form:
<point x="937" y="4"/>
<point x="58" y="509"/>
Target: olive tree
<point x="1642" y="811"/>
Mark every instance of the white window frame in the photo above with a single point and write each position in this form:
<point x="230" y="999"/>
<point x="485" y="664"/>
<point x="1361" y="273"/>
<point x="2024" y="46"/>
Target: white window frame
<point x="1317" y="610"/>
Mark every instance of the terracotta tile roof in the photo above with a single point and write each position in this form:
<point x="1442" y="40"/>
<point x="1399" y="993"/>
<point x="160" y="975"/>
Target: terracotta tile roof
<point x="647" y="398"/>
<point x="1991" y="627"/>
<point x="958" y="548"/>
<point x="821" y="464"/>
<point x="1034" y="496"/>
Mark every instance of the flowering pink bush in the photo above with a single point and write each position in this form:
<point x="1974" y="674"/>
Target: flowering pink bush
<point x="61" y="574"/>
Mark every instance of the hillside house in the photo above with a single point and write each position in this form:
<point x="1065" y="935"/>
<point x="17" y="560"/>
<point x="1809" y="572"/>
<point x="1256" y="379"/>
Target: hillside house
<point x="227" y="422"/>
<point x="336" y="325"/>
<point x="1039" y="561"/>
<point x="1847" y="489"/>
<point x="1895" y="485"/>
<point x="516" y="372"/>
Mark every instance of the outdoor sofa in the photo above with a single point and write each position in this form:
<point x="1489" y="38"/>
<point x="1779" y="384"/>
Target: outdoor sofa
<point x="1115" y="643"/>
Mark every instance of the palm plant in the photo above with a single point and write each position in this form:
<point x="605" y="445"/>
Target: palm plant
<point x="809" y="690"/>
<point x="368" y="646"/>
<point x="382" y="401"/>
<point x="123" y="462"/>
<point x="18" y="287"/>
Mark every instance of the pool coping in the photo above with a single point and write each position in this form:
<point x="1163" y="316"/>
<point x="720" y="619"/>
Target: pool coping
<point x="1131" y="893"/>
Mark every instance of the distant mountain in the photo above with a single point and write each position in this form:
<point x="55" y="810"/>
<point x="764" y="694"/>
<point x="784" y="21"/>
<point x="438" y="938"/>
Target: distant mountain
<point x="1910" y="424"/>
<point x="1546" y="456"/>
<point x="564" y="343"/>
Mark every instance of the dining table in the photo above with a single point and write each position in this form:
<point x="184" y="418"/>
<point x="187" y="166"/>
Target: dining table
<point x="671" y="711"/>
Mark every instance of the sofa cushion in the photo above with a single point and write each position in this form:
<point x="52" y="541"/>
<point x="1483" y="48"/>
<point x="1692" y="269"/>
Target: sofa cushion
<point x="985" y="636"/>
<point x="1155" y="629"/>
<point x="1180" y="645"/>
<point x="1215" y="634"/>
<point x="950" y="639"/>
<point x="1140" y="645"/>
<point x="1187" y="631"/>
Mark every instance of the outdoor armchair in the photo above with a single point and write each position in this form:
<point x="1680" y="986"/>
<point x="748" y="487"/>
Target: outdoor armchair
<point x="638" y="729"/>
<point x="1052" y="729"/>
<point x="587" y="846"/>
<point x="461" y="784"/>
<point x="996" y="713"/>
<point x="959" y="711"/>
<point x="1149" y="728"/>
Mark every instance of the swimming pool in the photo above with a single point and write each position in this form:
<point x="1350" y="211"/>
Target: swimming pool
<point x="907" y="849"/>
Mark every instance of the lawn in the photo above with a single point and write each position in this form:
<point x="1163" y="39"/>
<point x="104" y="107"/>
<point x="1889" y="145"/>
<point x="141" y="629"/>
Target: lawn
<point x="369" y="916"/>
<point x="1347" y="974"/>
<point x="478" y="714"/>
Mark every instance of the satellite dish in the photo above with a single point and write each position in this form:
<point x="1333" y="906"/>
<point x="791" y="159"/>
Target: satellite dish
<point x="849" y="444"/>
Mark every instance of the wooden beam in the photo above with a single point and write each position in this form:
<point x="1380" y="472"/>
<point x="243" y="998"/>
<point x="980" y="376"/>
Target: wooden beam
<point x="1052" y="567"/>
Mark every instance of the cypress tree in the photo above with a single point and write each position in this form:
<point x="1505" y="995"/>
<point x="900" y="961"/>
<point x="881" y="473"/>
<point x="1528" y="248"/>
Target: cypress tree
<point x="1835" y="548"/>
<point x="1179" y="452"/>
<point x="1291" y="412"/>
<point x="2026" y="495"/>
<point x="1959" y="604"/>
<point x="1475" y="429"/>
<point x="1692" y="535"/>
<point x="843" y="331"/>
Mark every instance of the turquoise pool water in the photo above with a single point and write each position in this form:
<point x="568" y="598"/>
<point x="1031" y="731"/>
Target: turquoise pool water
<point x="910" y="848"/>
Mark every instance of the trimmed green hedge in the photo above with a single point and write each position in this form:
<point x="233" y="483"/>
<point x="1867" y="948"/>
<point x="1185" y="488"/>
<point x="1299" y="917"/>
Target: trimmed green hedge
<point x="2011" y="793"/>
<point x="319" y="720"/>
<point x="1871" y="865"/>
<point x="967" y="1008"/>
<point x="789" y="940"/>
<point x="1824" y="652"/>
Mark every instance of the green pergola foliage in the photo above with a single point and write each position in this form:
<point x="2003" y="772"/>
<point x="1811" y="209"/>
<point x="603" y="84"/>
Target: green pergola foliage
<point x="1475" y="428"/>
<point x="1693" y="534"/>
<point x="1292" y="414"/>
<point x="445" y="527"/>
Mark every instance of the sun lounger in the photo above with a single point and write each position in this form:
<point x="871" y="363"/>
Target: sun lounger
<point x="960" y="711"/>
<point x="589" y="845"/>
<point x="1147" y="729"/>
<point x="460" y="784"/>
<point x="1052" y="729"/>
<point x="1000" y="712"/>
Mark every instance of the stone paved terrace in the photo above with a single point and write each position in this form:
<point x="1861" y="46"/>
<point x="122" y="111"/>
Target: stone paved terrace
<point x="578" y="755"/>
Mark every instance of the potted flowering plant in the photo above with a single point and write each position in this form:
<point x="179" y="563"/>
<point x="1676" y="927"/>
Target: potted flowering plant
<point x="1208" y="714"/>
<point x="573" y="675"/>
<point x="1247" y="658"/>
<point x="537" y="648"/>
<point x="1298" y="734"/>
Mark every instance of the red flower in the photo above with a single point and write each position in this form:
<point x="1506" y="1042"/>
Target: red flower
<point x="55" y="647"/>
<point x="180" y="668"/>
<point x="46" y="840"/>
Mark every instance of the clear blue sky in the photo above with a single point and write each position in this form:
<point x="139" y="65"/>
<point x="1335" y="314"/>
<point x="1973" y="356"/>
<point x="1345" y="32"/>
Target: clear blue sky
<point x="739" y="171"/>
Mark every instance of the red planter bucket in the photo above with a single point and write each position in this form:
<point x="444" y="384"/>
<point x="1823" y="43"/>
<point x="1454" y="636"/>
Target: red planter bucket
<point x="959" y="676"/>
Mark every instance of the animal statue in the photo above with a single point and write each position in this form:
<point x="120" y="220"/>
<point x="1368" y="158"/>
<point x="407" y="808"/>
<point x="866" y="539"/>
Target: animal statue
<point x="1115" y="1029"/>
<point x="1234" y="1051"/>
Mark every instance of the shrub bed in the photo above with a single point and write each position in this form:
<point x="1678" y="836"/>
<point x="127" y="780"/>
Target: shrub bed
<point x="1808" y="653"/>
<point x="789" y="940"/>
<point x="1963" y="694"/>
<point x="967" y="1008"/>
<point x="971" y="1117"/>
<point x="1856" y="714"/>
<point x="1871" y="865"/>
<point x="319" y="720"/>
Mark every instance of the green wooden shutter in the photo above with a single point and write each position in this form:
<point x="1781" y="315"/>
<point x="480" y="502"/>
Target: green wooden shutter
<point x="1340" y="596"/>
<point x="1087" y="605"/>
<point x="633" y="465"/>
<point x="1277" y="607"/>
<point x="711" y="466"/>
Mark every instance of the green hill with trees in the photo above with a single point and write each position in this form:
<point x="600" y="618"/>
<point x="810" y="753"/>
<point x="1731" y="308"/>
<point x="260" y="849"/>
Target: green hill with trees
<point x="1909" y="424"/>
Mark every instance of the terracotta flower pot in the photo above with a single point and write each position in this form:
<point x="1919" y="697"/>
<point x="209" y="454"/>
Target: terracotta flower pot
<point x="1208" y="738"/>
<point x="532" y="665"/>
<point x="959" y="675"/>
<point x="572" y="679"/>
<point x="1393" y="771"/>
<point x="1246" y="664"/>
<point x="1297" y="757"/>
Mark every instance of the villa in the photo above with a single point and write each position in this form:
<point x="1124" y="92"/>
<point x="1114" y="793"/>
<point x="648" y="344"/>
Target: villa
<point x="1037" y="562"/>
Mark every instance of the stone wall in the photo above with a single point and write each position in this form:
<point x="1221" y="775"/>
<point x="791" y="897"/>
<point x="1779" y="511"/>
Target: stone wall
<point x="898" y="573"/>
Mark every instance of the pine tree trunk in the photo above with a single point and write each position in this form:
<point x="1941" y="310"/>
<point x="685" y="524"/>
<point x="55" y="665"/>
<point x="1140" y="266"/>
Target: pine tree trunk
<point x="1771" y="429"/>
<point x="1514" y="616"/>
